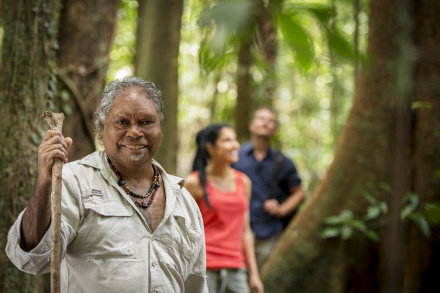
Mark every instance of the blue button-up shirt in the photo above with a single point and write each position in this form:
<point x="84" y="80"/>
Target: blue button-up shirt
<point x="262" y="176"/>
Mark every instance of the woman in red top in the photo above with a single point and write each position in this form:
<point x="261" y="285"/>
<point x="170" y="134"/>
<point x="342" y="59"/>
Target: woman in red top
<point x="222" y="194"/>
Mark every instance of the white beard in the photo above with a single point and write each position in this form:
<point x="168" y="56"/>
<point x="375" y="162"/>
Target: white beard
<point x="135" y="158"/>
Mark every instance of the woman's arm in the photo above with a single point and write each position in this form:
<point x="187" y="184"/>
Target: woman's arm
<point x="255" y="283"/>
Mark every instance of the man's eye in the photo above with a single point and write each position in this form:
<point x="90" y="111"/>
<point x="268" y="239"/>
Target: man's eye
<point x="121" y="122"/>
<point x="148" y="122"/>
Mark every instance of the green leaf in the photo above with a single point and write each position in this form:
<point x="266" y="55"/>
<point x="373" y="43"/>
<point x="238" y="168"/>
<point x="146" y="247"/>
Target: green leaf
<point x="383" y="207"/>
<point x="67" y="110"/>
<point x="371" y="199"/>
<point x="372" y="212"/>
<point x="411" y="198"/>
<point x="65" y="95"/>
<point x="330" y="232"/>
<point x="423" y="105"/>
<point x="346" y="215"/>
<point x="322" y="13"/>
<point x="335" y="220"/>
<point x="209" y="60"/>
<point x="340" y="44"/>
<point x="372" y="235"/>
<point x="385" y="186"/>
<point x="346" y="232"/>
<point x="360" y="225"/>
<point x="407" y="210"/>
<point x="420" y="221"/>
<point x="298" y="40"/>
<point x="432" y="213"/>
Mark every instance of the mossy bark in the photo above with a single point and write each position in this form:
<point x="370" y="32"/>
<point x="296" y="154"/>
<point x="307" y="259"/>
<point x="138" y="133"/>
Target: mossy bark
<point x="27" y="84"/>
<point x="87" y="32"/>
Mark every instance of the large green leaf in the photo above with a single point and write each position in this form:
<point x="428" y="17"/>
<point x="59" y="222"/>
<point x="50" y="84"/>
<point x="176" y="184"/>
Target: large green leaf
<point x="229" y="18"/>
<point x="298" y="40"/>
<point x="210" y="60"/>
<point x="340" y="45"/>
<point x="420" y="221"/>
<point x="320" y="12"/>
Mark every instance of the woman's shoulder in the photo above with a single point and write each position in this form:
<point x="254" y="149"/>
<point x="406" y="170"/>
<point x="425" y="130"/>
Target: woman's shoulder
<point x="193" y="185"/>
<point x="246" y="180"/>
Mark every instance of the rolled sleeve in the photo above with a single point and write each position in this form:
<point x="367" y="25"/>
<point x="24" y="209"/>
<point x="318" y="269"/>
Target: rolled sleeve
<point x="35" y="261"/>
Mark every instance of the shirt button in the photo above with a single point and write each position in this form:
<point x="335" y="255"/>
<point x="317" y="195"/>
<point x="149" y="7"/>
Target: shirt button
<point x="192" y="238"/>
<point x="154" y="263"/>
<point x="154" y="291"/>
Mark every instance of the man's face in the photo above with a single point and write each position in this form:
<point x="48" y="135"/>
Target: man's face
<point x="131" y="132"/>
<point x="264" y="123"/>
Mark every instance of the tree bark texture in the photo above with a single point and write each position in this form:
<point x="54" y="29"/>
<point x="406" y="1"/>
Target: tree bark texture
<point x="87" y="32"/>
<point x="156" y="59"/>
<point x="423" y="254"/>
<point x="27" y="83"/>
<point x="244" y="104"/>
<point x="369" y="155"/>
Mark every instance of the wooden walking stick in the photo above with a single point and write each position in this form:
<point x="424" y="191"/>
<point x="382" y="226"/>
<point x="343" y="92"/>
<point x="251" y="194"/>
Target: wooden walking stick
<point x="55" y="121"/>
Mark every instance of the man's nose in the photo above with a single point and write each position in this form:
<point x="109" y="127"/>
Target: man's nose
<point x="134" y="131"/>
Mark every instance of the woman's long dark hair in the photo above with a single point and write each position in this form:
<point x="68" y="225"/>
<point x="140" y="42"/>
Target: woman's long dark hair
<point x="208" y="134"/>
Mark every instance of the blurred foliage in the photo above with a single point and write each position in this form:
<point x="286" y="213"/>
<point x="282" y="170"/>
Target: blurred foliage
<point x="121" y="56"/>
<point x="207" y="73"/>
<point x="344" y="224"/>
<point x="424" y="215"/>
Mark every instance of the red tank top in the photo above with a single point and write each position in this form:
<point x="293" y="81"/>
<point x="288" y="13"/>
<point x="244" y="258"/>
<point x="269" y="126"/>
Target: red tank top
<point x="224" y="225"/>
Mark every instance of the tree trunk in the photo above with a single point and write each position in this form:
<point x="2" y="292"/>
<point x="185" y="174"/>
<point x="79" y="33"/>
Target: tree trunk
<point x="27" y="83"/>
<point x="244" y="105"/>
<point x="368" y="156"/>
<point x="87" y="31"/>
<point x="156" y="59"/>
<point x="423" y="254"/>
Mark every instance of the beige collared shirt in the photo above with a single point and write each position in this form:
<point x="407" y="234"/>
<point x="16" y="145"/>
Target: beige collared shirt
<point x="106" y="243"/>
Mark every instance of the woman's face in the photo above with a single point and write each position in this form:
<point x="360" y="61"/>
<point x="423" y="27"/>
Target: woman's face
<point x="226" y="146"/>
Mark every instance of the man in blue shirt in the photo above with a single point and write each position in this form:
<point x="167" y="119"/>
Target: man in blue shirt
<point x="271" y="183"/>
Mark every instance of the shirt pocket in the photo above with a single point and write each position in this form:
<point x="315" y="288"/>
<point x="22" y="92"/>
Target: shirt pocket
<point x="182" y="243"/>
<point x="107" y="229"/>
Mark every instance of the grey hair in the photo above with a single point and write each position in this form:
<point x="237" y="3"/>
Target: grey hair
<point x="118" y="86"/>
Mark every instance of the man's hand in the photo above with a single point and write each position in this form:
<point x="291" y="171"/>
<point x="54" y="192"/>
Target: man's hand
<point x="54" y="145"/>
<point x="273" y="208"/>
<point x="36" y="218"/>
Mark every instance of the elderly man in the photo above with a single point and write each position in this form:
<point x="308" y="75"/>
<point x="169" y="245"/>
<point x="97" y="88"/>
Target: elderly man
<point x="127" y="225"/>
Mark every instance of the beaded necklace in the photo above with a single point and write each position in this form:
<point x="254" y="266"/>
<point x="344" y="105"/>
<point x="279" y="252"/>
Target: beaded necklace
<point x="154" y="187"/>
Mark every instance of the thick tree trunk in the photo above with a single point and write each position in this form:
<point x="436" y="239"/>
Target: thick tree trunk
<point x="156" y="59"/>
<point x="244" y="104"/>
<point x="423" y="263"/>
<point x="367" y="157"/>
<point x="87" y="31"/>
<point x="27" y="83"/>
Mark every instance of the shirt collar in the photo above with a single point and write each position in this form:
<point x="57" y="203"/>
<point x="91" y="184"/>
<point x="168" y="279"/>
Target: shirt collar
<point x="249" y="148"/>
<point x="98" y="160"/>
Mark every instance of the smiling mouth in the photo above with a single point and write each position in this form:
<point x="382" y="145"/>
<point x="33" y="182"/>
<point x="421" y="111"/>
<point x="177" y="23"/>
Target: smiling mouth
<point x="135" y="147"/>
